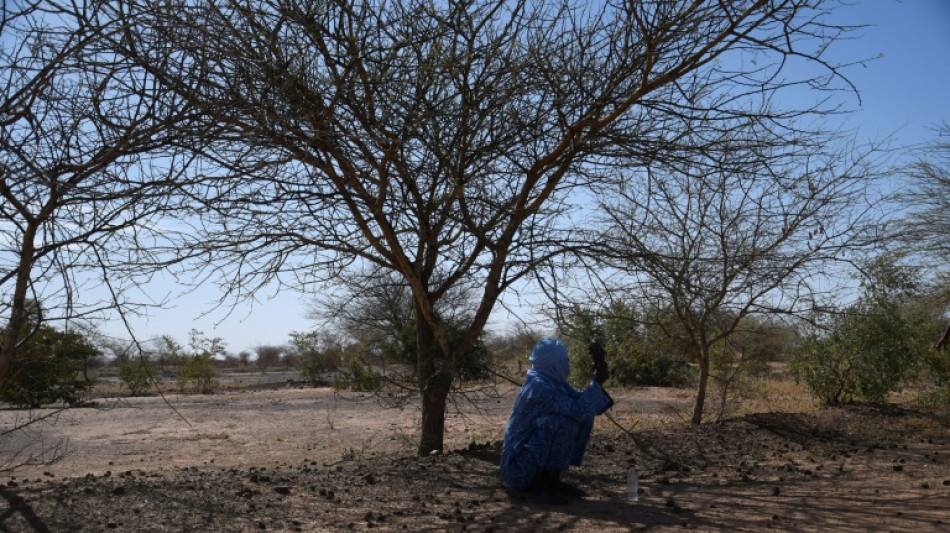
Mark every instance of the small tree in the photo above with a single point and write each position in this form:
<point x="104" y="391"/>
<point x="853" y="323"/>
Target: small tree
<point x="136" y="373"/>
<point x="199" y="370"/>
<point x="753" y="227"/>
<point x="315" y="360"/>
<point x="935" y="367"/>
<point x="168" y="353"/>
<point x="924" y="231"/>
<point x="199" y="366"/>
<point x="927" y="225"/>
<point x="740" y="360"/>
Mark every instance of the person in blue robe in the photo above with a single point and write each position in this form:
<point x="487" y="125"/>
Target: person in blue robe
<point x="551" y="422"/>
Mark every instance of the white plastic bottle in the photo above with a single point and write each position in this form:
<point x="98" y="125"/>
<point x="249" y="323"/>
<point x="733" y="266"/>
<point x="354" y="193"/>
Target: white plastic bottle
<point x="633" y="482"/>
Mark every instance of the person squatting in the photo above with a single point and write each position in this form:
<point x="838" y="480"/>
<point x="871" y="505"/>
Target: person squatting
<point x="551" y="423"/>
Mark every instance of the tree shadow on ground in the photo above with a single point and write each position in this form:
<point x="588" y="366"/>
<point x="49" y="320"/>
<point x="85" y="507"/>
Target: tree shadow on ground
<point x="808" y="429"/>
<point x="18" y="508"/>
<point x="578" y="514"/>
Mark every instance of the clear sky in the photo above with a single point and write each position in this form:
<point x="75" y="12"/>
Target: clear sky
<point x="904" y="93"/>
<point x="906" y="90"/>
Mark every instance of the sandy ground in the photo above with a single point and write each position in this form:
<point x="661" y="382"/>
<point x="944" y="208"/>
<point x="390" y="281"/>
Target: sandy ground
<point x="240" y="428"/>
<point x="301" y="459"/>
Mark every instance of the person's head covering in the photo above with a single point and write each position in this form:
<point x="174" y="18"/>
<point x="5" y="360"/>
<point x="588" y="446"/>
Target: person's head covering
<point x="549" y="358"/>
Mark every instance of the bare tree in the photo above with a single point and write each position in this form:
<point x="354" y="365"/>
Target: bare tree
<point x="369" y="308"/>
<point x="927" y="227"/>
<point x="80" y="195"/>
<point x="442" y="141"/>
<point x="756" y="230"/>
<point x="926" y="231"/>
<point x="268" y="356"/>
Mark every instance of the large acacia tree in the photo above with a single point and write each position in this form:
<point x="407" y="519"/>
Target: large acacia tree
<point x="79" y="190"/>
<point x="441" y="140"/>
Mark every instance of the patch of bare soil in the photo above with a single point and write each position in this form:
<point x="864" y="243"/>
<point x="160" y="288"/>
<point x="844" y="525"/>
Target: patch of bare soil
<point x="314" y="460"/>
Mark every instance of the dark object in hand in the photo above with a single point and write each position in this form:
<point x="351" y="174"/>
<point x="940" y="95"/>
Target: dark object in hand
<point x="599" y="367"/>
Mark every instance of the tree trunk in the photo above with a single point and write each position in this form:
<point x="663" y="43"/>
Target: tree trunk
<point x="702" y="357"/>
<point x="434" y="384"/>
<point x="433" y="420"/>
<point x="18" y="318"/>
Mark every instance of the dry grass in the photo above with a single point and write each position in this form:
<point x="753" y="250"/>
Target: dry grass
<point x="771" y="395"/>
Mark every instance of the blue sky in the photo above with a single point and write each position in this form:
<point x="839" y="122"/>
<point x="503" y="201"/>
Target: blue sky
<point x="904" y="94"/>
<point x="906" y="89"/>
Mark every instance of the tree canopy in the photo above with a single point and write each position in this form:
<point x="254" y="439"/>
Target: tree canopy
<point x="448" y="141"/>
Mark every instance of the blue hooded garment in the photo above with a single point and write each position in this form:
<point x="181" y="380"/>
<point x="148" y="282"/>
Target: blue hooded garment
<point x="551" y="422"/>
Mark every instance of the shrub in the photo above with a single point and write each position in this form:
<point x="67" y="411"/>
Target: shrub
<point x="315" y="365"/>
<point x="649" y="370"/>
<point x="136" y="374"/>
<point x="48" y="368"/>
<point x="400" y="347"/>
<point x="870" y="348"/>
<point x="314" y="361"/>
<point x="638" y="355"/>
<point x="199" y="368"/>
<point x="357" y="375"/>
<point x="200" y="371"/>
<point x="268" y="356"/>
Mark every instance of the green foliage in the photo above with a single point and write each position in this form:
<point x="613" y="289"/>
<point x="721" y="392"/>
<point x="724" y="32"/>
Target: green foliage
<point x="638" y="354"/>
<point x="357" y="375"/>
<point x="935" y="367"/>
<point x="200" y="371"/>
<point x="400" y="347"/>
<point x="871" y="347"/>
<point x="937" y="396"/>
<point x="48" y="368"/>
<point x="199" y="368"/>
<point x="934" y="374"/>
<point x="315" y="360"/>
<point x="136" y="373"/>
